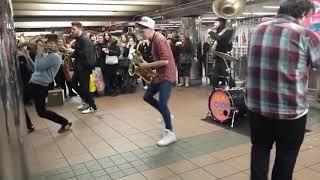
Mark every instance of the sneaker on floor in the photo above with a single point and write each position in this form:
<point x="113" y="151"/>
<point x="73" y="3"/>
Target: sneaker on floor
<point x="83" y="106"/>
<point x="168" y="138"/>
<point x="65" y="128"/>
<point x="89" y="110"/>
<point x="160" y="120"/>
<point x="73" y="94"/>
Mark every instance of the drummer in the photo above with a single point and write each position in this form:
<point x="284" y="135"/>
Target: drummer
<point x="222" y="36"/>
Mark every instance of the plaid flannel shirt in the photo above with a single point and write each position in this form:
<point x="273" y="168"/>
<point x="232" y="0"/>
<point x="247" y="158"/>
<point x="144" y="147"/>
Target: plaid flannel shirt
<point x="281" y="53"/>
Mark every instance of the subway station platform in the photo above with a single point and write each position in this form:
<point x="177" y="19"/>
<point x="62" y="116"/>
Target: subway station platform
<point x="119" y="142"/>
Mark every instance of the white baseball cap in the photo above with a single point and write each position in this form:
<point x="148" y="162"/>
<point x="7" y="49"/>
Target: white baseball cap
<point x="147" y="22"/>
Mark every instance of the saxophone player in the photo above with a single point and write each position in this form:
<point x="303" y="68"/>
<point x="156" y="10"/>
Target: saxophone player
<point x="164" y="81"/>
<point x="46" y="66"/>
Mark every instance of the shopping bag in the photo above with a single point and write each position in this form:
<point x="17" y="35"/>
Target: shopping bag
<point x="98" y="80"/>
<point x="92" y="86"/>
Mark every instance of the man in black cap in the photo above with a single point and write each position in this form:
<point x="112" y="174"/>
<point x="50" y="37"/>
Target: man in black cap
<point x="222" y="37"/>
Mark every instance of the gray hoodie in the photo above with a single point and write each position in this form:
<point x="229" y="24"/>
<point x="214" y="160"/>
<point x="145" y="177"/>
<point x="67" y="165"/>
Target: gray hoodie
<point x="45" y="68"/>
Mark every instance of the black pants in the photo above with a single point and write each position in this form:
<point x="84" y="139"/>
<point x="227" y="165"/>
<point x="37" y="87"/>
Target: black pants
<point x="28" y="120"/>
<point x="83" y="79"/>
<point x="129" y="82"/>
<point x="202" y="64"/>
<point x="109" y="73"/>
<point x="288" y="136"/>
<point x="219" y="73"/>
<point x="39" y="93"/>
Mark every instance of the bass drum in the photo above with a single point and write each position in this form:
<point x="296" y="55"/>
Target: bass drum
<point x="224" y="103"/>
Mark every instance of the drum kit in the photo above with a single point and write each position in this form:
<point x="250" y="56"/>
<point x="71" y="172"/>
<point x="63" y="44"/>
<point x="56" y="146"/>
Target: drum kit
<point x="225" y="103"/>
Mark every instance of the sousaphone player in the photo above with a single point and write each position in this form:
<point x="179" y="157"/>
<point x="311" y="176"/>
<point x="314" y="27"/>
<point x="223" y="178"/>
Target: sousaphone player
<point x="222" y="36"/>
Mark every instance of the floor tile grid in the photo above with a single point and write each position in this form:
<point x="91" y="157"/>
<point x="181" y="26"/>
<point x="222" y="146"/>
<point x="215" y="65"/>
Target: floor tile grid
<point x="131" y="140"/>
<point x="144" y="158"/>
<point x="52" y="172"/>
<point x="141" y="168"/>
<point x="127" y="124"/>
<point x="94" y="132"/>
<point x="143" y="155"/>
<point x="52" y="136"/>
<point x="157" y="165"/>
<point x="230" y="174"/>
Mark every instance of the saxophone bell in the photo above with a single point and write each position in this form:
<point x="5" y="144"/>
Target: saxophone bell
<point x="147" y="74"/>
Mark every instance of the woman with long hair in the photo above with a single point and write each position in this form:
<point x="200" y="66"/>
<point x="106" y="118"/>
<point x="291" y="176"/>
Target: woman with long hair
<point x="110" y="50"/>
<point x="186" y="55"/>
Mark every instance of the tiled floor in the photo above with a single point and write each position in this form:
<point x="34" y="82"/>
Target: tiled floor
<point x="118" y="142"/>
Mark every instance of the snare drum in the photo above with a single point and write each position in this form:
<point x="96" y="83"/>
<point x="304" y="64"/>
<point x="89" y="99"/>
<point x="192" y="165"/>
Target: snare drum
<point x="224" y="103"/>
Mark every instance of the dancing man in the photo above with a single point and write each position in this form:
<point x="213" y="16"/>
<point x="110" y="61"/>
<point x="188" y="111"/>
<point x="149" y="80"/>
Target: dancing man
<point x="163" y="62"/>
<point x="85" y="60"/>
<point x="45" y="68"/>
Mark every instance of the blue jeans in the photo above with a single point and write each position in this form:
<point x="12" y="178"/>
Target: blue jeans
<point x="164" y="88"/>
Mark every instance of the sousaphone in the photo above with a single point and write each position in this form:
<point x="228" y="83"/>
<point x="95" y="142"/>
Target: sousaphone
<point x="228" y="9"/>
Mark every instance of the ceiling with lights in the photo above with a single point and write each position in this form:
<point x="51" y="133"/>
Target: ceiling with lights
<point x="59" y="13"/>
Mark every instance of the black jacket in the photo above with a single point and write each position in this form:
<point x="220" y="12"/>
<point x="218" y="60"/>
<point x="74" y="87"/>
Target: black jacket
<point x="99" y="55"/>
<point x="114" y="49"/>
<point x="84" y="53"/>
<point x="224" y="42"/>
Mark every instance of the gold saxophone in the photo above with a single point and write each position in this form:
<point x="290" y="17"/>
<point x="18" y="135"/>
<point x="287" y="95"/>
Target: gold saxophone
<point x="146" y="74"/>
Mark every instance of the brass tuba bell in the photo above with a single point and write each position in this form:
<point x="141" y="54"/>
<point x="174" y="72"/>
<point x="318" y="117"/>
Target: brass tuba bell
<point x="228" y="9"/>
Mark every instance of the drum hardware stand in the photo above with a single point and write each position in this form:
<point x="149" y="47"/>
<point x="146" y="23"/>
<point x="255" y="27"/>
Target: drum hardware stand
<point x="232" y="122"/>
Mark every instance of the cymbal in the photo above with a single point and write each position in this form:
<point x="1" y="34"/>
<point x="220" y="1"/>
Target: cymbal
<point x="226" y="56"/>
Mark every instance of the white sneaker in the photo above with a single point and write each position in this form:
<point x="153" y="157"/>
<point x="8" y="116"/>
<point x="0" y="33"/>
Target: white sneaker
<point x="145" y="87"/>
<point x="83" y="106"/>
<point x="168" y="138"/>
<point x="88" y="110"/>
<point x="160" y="120"/>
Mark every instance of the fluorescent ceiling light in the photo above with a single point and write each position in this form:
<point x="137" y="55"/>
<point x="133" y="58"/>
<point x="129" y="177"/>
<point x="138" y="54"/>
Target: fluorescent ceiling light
<point x="72" y="13"/>
<point x="79" y="7"/>
<point x="110" y="2"/>
<point x="271" y="7"/>
<point x="48" y="24"/>
<point x="208" y="18"/>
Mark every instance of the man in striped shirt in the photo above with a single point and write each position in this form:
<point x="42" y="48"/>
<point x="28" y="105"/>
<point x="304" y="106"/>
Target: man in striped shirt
<point x="281" y="53"/>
